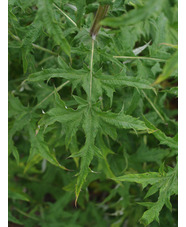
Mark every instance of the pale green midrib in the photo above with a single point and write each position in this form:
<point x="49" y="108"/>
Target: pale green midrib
<point x="153" y="106"/>
<point x="34" y="45"/>
<point x="91" y="72"/>
<point x="56" y="90"/>
<point x="65" y="15"/>
<point x="143" y="58"/>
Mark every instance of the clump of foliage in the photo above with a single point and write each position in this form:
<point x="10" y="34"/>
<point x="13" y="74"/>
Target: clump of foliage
<point x="93" y="113"/>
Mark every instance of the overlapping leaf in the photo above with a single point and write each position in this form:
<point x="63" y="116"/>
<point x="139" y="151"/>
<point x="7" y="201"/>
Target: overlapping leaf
<point x="33" y="33"/>
<point x="170" y="142"/>
<point x="165" y="183"/>
<point x="122" y="121"/>
<point x="134" y="16"/>
<point x="53" y="28"/>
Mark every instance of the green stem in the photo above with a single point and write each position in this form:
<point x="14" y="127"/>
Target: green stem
<point x="45" y="59"/>
<point x="57" y="89"/>
<point x="91" y="70"/>
<point x="34" y="45"/>
<point x="15" y="37"/>
<point x="100" y="14"/>
<point x="153" y="106"/>
<point x="44" y="49"/>
<point x="145" y="58"/>
<point x="65" y="15"/>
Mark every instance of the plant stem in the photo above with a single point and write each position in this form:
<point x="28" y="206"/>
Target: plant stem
<point x="45" y="59"/>
<point x="145" y="58"/>
<point x="34" y="45"/>
<point x="44" y="49"/>
<point x="100" y="14"/>
<point x="15" y="37"/>
<point x="57" y="89"/>
<point x="153" y="106"/>
<point x="65" y="15"/>
<point x="91" y="70"/>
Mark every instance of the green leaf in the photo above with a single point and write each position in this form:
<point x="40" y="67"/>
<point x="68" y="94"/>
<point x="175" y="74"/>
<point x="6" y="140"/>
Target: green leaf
<point x="80" y="101"/>
<point x="134" y="103"/>
<point x="103" y="53"/>
<point x="33" y="33"/>
<point x="173" y="91"/>
<point x="122" y="80"/>
<point x="39" y="148"/>
<point x="86" y="159"/>
<point x="122" y="121"/>
<point x="168" y="187"/>
<point x="103" y="2"/>
<point x="169" y="68"/>
<point x="108" y="129"/>
<point x="135" y="16"/>
<point x="81" y="5"/>
<point x="22" y="116"/>
<point x="143" y="178"/>
<point x="70" y="74"/>
<point x="166" y="184"/>
<point x="53" y="27"/>
<point x="104" y="165"/>
<point x="109" y="92"/>
<point x="146" y="154"/>
<point x="61" y="113"/>
<point x="90" y="126"/>
<point x="12" y="149"/>
<point x="17" y="195"/>
<point x="69" y="118"/>
<point x="15" y="107"/>
<point x="170" y="142"/>
<point x="11" y="218"/>
<point x="62" y="63"/>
